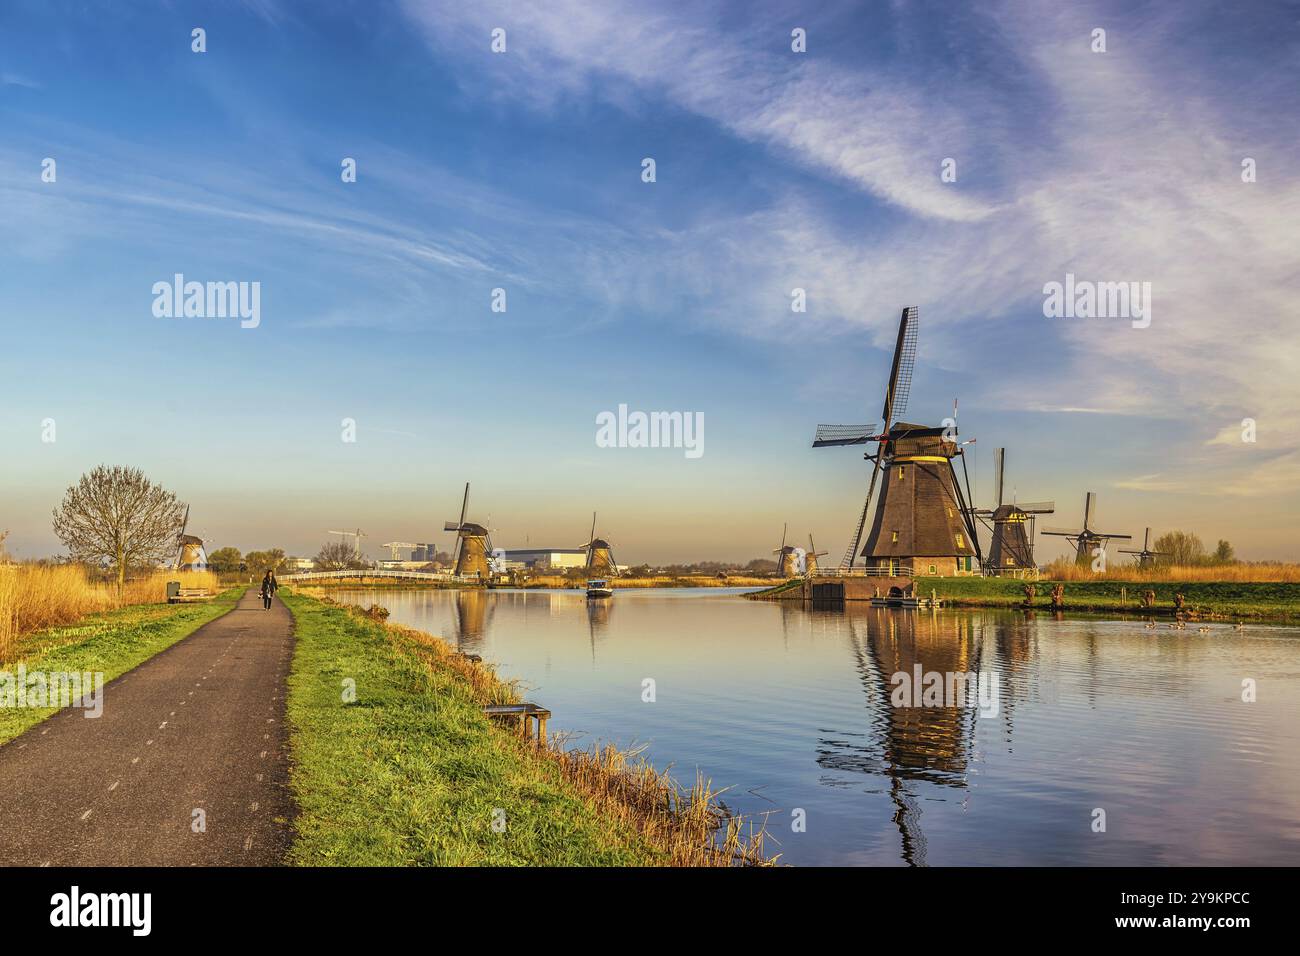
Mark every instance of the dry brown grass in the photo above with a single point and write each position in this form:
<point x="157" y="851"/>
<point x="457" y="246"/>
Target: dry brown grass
<point x="34" y="597"/>
<point x="1064" y="569"/>
<point x="691" y="825"/>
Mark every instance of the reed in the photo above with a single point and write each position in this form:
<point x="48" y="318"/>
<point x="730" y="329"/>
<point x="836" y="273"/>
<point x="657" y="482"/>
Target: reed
<point x="35" y="597"/>
<point x="1065" y="569"/>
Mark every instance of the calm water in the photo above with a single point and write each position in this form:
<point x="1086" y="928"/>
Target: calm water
<point x="790" y="708"/>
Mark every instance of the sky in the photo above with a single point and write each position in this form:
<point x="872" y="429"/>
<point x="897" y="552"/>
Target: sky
<point x="522" y="171"/>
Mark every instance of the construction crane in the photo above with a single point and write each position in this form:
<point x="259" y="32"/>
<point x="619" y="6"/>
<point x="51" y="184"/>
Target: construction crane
<point x="396" y="546"/>
<point x="356" y="537"/>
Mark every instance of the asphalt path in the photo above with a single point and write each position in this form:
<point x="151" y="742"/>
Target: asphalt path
<point x="186" y="766"/>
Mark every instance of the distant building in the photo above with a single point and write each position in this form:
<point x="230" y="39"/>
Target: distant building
<point x="548" y="559"/>
<point x="300" y="564"/>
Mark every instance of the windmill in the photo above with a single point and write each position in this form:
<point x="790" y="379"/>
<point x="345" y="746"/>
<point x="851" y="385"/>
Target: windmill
<point x="1146" y="557"/>
<point x="810" y="559"/>
<point x="474" y="544"/>
<point x="787" y="561"/>
<point x="922" y="517"/>
<point x="600" y="557"/>
<point x="190" y="555"/>
<point x="1086" y="539"/>
<point x="1012" y="545"/>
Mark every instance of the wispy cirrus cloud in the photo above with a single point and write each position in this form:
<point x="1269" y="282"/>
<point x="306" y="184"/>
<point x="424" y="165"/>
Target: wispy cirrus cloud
<point x="1121" y="179"/>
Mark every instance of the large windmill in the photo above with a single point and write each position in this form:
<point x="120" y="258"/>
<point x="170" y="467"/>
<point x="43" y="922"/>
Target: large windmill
<point x="1146" y="557"/>
<point x="190" y="555"/>
<point x="922" y="518"/>
<point x="1086" y="539"/>
<point x="474" y="544"/>
<point x="600" y="556"/>
<point x="810" y="559"/>
<point x="1012" y="546"/>
<point x="787" y="560"/>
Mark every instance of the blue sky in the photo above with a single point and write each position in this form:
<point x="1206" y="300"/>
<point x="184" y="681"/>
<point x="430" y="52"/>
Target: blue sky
<point x="521" y="171"/>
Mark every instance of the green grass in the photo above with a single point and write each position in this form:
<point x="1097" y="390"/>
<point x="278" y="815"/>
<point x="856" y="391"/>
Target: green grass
<point x="111" y="643"/>
<point x="411" y="771"/>
<point x="1255" y="600"/>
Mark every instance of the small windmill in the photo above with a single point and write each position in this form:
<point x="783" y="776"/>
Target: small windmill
<point x="190" y="555"/>
<point x="921" y="515"/>
<point x="474" y="544"/>
<point x="810" y="559"/>
<point x="1012" y="545"/>
<point x="1086" y="539"/>
<point x="600" y="556"/>
<point x="1146" y="557"/>
<point x="787" y="562"/>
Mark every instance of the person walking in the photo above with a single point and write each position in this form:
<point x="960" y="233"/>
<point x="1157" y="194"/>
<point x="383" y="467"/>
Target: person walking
<point x="269" y="587"/>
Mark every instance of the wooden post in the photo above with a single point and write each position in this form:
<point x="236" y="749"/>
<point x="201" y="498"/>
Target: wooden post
<point x="541" y="729"/>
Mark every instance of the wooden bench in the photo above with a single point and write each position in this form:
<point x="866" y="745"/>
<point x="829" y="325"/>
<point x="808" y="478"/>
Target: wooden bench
<point x="179" y="595"/>
<point x="524" y="713"/>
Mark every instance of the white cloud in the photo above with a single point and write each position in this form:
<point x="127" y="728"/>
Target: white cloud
<point x="1124" y="179"/>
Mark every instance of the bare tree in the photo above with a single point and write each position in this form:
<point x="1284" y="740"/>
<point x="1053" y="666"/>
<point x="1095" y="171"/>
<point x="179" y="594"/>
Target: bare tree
<point x="119" y="515"/>
<point x="334" y="556"/>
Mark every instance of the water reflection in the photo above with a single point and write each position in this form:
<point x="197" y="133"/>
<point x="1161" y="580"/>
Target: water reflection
<point x="473" y="614"/>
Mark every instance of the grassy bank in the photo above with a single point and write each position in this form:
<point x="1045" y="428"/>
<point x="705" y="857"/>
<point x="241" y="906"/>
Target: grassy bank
<point x="1247" y="600"/>
<point x="1228" y="599"/>
<point x="110" y="642"/>
<point x="35" y="597"/>
<point x="410" y="772"/>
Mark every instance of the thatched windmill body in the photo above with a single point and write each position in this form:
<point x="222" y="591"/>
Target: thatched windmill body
<point x="190" y="555"/>
<point x="1087" y="538"/>
<point x="1012" y="545"/>
<point x="922" y="519"/>
<point x="1146" y="557"/>
<point x="600" y="556"/>
<point x="473" y="544"/>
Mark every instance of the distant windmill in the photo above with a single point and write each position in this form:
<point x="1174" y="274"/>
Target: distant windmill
<point x="1013" y="525"/>
<point x="1146" y="557"/>
<point x="190" y="555"/>
<point x="474" y="544"/>
<point x="1086" y="539"/>
<point x="921" y="513"/>
<point x="810" y="559"/>
<point x="786" y="561"/>
<point x="600" y="557"/>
